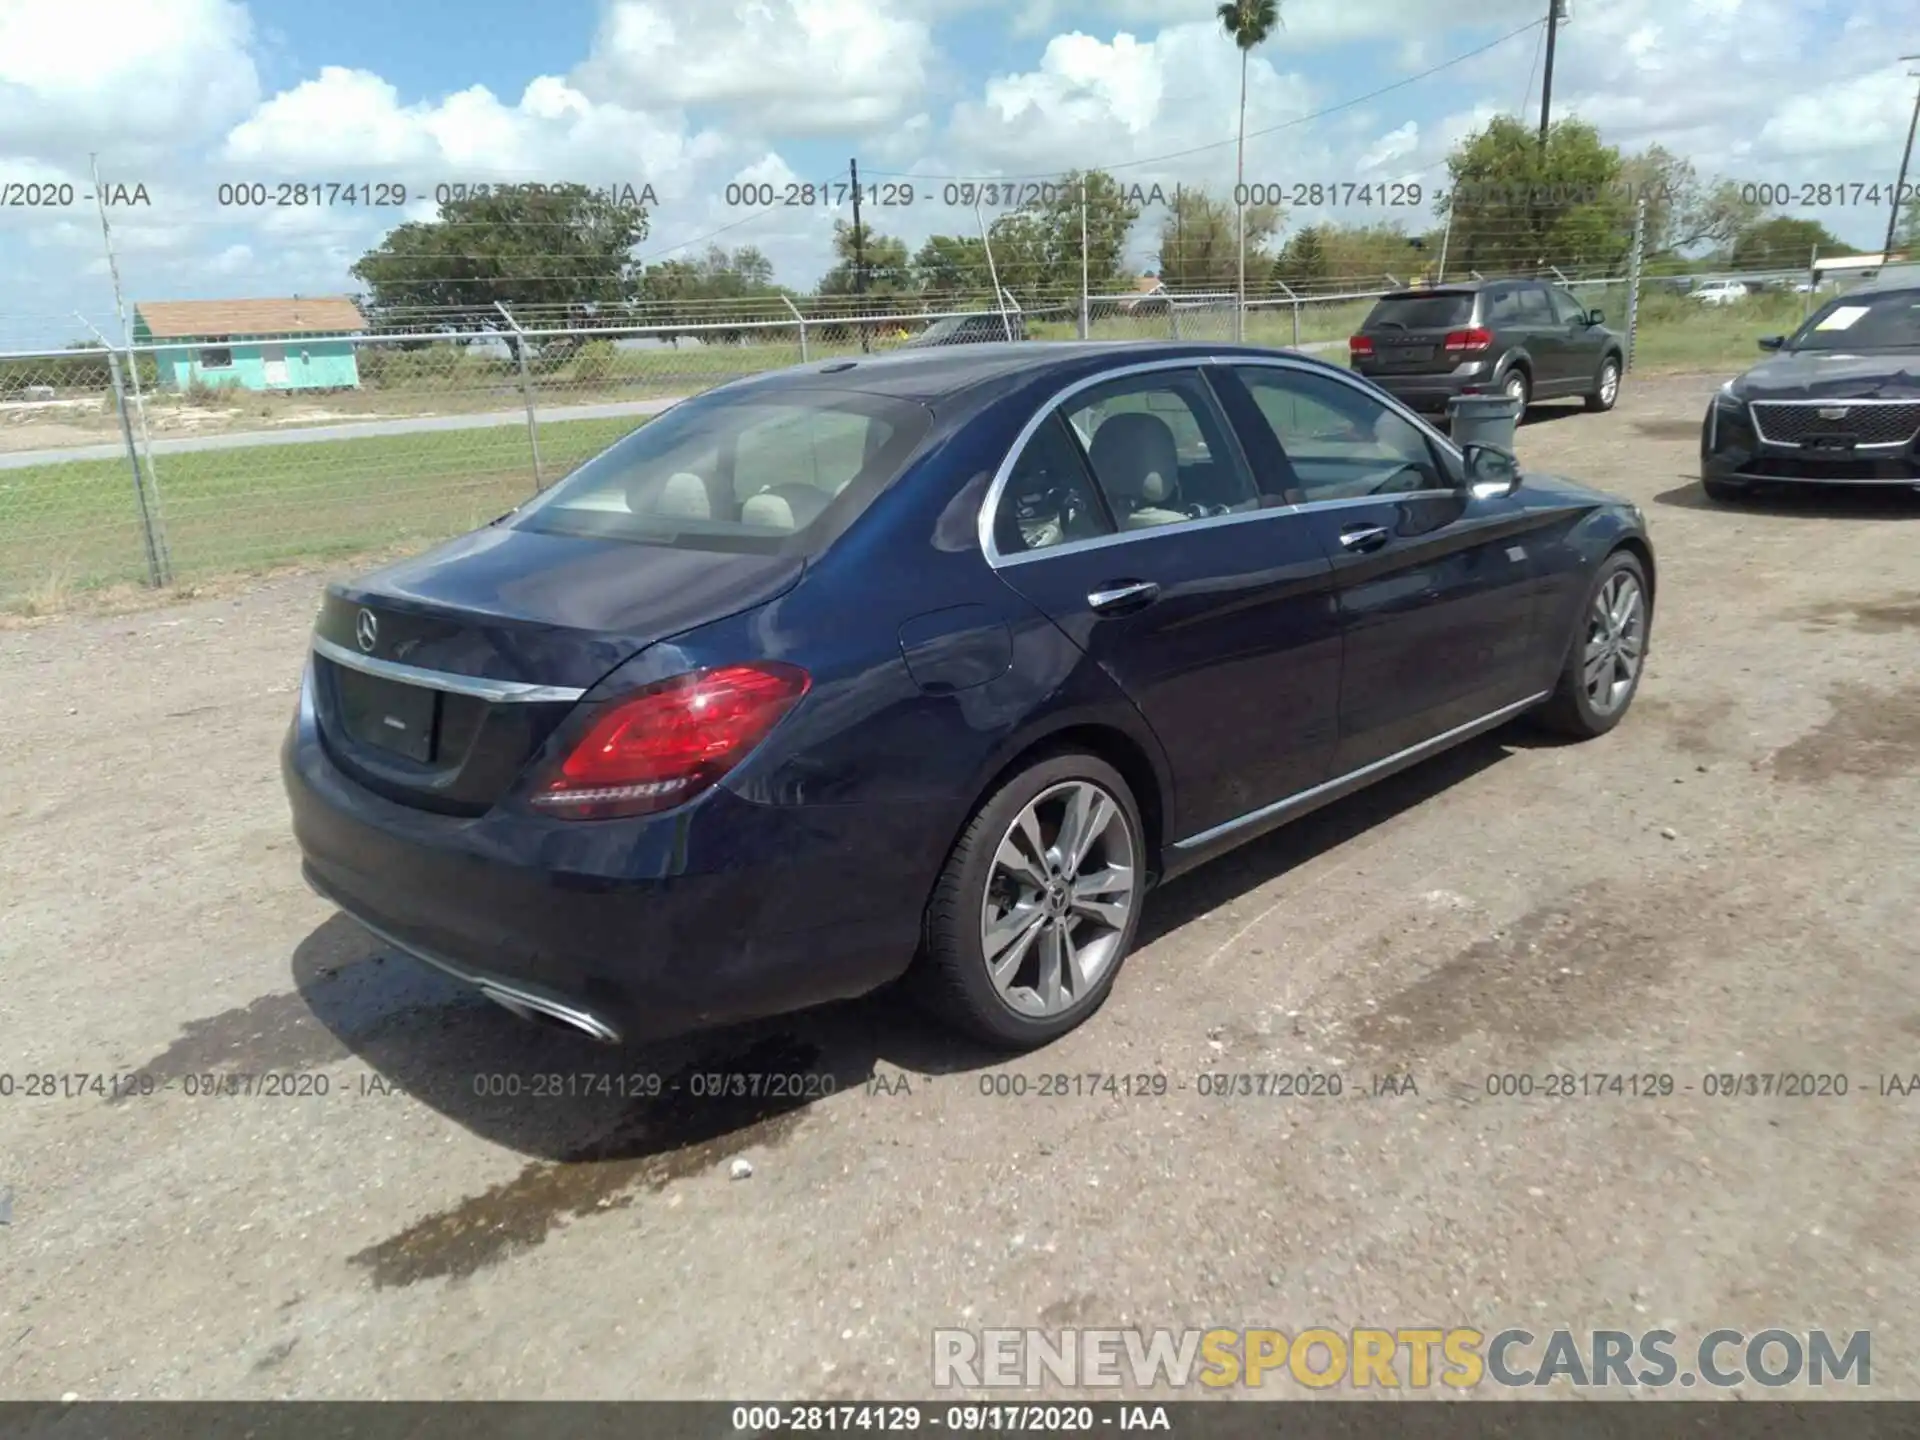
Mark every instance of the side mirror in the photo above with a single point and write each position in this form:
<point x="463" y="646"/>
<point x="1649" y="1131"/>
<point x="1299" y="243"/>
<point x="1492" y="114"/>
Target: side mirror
<point x="1596" y="317"/>
<point x="1772" y="342"/>
<point x="1492" y="473"/>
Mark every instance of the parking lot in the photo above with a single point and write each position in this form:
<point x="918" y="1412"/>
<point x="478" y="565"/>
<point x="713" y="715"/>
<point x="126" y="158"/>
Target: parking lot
<point x="1725" y="886"/>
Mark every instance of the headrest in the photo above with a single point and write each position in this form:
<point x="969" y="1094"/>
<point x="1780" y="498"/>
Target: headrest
<point x="1136" y="458"/>
<point x="785" y="507"/>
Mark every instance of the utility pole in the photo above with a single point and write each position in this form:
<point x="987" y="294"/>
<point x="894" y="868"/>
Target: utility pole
<point x="1556" y="12"/>
<point x="859" y="247"/>
<point x="1900" y="185"/>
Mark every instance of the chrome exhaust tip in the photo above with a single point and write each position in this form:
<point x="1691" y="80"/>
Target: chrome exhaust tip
<point x="538" y="1008"/>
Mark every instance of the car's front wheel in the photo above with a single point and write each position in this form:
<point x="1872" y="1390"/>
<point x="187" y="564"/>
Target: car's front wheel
<point x="1603" y="664"/>
<point x="1606" y="385"/>
<point x="1038" y="904"/>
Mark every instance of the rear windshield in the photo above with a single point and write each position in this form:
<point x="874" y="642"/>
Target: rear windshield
<point x="754" y="472"/>
<point x="1438" y="311"/>
<point x="1889" y="321"/>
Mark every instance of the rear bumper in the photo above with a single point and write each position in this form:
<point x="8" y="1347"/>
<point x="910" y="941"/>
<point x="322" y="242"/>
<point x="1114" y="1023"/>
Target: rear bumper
<point x="1732" y="452"/>
<point x="720" y="912"/>
<point x="1431" y="392"/>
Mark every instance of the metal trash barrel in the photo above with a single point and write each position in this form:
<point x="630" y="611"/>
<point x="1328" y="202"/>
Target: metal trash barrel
<point x="1483" y="420"/>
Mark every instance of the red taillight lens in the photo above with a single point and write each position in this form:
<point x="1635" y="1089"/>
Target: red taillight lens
<point x="1460" y="341"/>
<point x="665" y="745"/>
<point x="1359" y="345"/>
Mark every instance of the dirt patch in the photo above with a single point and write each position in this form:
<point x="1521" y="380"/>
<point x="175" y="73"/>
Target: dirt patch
<point x="1871" y="733"/>
<point x="1560" y="971"/>
<point x="1668" y="429"/>
<point x="1870" y="617"/>
<point x="1695" y="727"/>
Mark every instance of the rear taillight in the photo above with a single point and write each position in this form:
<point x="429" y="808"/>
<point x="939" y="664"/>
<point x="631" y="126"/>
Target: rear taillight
<point x="1467" y="341"/>
<point x="668" y="743"/>
<point x="1360" y="345"/>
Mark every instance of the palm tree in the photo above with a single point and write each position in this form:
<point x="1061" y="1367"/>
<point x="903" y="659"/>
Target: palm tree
<point x="1247" y="22"/>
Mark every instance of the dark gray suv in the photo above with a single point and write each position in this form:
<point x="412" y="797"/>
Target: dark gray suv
<point x="1524" y="338"/>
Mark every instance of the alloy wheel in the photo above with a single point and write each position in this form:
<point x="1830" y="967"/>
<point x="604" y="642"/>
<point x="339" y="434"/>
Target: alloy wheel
<point x="1060" y="893"/>
<point x="1516" y="387"/>
<point x="1616" y="642"/>
<point x="1609" y="383"/>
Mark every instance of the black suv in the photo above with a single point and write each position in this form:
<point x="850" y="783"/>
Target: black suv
<point x="1525" y="338"/>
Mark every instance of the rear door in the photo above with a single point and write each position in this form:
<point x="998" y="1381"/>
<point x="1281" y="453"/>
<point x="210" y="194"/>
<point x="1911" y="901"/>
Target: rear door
<point x="1408" y="332"/>
<point x="1521" y="319"/>
<point x="1437" y="591"/>
<point x="1210" y="605"/>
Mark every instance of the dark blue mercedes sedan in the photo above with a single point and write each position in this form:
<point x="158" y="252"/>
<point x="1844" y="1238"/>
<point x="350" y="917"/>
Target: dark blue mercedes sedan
<point x="930" y="666"/>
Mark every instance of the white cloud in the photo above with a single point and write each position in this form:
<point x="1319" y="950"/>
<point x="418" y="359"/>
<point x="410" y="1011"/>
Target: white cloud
<point x="1867" y="112"/>
<point x="354" y="122"/>
<point x="1394" y="145"/>
<point x="796" y="66"/>
<point x="138" y="76"/>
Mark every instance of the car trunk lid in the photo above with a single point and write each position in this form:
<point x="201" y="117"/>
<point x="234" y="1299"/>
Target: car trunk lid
<point x="436" y="680"/>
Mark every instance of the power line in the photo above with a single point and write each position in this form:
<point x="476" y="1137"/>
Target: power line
<point x="1251" y="134"/>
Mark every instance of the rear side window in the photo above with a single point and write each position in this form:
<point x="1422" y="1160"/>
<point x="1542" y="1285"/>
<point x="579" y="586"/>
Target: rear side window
<point x="756" y="472"/>
<point x="1441" y="310"/>
<point x="1049" y="497"/>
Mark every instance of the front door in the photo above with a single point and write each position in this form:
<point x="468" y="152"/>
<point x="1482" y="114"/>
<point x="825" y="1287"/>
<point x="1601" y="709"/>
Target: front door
<point x="1437" y="590"/>
<point x="1211" y="607"/>
<point x="274" y="363"/>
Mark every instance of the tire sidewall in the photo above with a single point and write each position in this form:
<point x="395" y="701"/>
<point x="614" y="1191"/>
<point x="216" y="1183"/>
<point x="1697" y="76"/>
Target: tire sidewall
<point x="1518" y="372"/>
<point x="1601" y="400"/>
<point x="991" y="823"/>
<point x="1591" y="719"/>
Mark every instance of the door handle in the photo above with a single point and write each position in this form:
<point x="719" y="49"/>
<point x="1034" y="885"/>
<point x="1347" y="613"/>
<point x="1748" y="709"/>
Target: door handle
<point x="1362" y="538"/>
<point x="1118" y="597"/>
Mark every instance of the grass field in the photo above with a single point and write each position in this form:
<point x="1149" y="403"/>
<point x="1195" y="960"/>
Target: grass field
<point x="69" y="529"/>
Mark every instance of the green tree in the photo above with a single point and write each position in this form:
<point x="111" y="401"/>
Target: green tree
<point x="564" y="248"/>
<point x="1302" y="261"/>
<point x="1684" y="212"/>
<point x="1197" y="240"/>
<point x="1784" y="242"/>
<point x="953" y="265"/>
<point x="880" y="261"/>
<point x="1247" y="23"/>
<point x="1037" y="249"/>
<point x="1906" y="236"/>
<point x="1515" y="206"/>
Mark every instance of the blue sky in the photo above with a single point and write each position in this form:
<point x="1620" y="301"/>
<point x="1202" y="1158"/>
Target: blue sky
<point x="691" y="95"/>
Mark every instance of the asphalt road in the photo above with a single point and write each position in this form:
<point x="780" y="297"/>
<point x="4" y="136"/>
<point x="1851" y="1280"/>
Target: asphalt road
<point x="355" y="430"/>
<point x="1725" y="885"/>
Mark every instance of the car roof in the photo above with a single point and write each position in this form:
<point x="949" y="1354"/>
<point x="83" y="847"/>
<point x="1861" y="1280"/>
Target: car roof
<point x="943" y="373"/>
<point x="1891" y="277"/>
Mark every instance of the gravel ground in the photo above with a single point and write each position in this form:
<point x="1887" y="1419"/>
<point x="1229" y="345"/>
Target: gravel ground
<point x="1724" y="885"/>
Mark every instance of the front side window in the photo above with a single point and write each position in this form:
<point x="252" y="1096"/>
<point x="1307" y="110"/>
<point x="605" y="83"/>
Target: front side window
<point x="1340" y="443"/>
<point x="1566" y="309"/>
<point x="727" y="472"/>
<point x="1159" y="448"/>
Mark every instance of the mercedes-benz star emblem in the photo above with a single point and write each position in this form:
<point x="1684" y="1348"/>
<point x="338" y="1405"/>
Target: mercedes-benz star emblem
<point x="366" y="629"/>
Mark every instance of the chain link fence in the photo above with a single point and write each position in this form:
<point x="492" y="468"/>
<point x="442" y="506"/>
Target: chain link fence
<point x="133" y="466"/>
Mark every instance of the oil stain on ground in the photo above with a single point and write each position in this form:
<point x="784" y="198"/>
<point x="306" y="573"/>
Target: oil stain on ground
<point x="1873" y="734"/>
<point x="657" y="1141"/>
<point x="1668" y="429"/>
<point x="1888" y="616"/>
<point x="1560" y="972"/>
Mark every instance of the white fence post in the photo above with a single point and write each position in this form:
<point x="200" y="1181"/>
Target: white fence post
<point x="1633" y="275"/>
<point x="803" y="326"/>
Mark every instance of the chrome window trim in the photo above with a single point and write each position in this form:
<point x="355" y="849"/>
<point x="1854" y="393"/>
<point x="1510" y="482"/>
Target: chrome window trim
<point x="1430" y="746"/>
<point x="991" y="504"/>
<point x="498" y="691"/>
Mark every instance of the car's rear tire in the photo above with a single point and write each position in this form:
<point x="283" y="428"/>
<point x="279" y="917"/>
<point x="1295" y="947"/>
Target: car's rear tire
<point x="1726" y="492"/>
<point x="1606" y="385"/>
<point x="1606" y="655"/>
<point x="1517" y="385"/>
<point x="1023" y="938"/>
